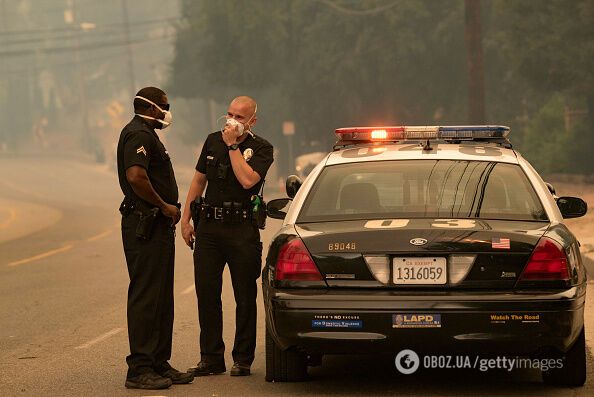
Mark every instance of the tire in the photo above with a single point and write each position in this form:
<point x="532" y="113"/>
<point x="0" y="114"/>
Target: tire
<point x="573" y="373"/>
<point x="284" y="366"/>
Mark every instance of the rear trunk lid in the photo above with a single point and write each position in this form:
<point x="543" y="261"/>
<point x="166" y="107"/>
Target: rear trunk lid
<point x="422" y="253"/>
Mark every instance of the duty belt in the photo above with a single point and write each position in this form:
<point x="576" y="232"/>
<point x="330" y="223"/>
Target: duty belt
<point x="225" y="214"/>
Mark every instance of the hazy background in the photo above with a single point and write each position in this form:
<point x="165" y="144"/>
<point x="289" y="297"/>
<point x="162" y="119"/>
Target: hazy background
<point x="68" y="70"/>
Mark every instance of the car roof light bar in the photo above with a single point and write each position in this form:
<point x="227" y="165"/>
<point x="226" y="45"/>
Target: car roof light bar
<point x="353" y="135"/>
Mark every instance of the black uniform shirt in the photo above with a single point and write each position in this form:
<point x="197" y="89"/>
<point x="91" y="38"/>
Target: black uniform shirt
<point x="140" y="145"/>
<point x="214" y="161"/>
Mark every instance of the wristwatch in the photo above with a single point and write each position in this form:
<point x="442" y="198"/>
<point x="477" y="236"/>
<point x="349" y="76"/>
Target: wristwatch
<point x="235" y="146"/>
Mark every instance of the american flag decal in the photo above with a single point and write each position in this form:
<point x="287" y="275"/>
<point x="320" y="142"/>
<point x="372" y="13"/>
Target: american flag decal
<point x="500" y="243"/>
<point x="141" y="150"/>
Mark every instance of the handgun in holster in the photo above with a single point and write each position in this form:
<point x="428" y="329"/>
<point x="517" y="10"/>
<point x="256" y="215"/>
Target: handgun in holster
<point x="146" y="223"/>
<point x="195" y="209"/>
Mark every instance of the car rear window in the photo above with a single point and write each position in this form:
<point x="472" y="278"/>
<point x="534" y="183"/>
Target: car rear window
<point x="422" y="189"/>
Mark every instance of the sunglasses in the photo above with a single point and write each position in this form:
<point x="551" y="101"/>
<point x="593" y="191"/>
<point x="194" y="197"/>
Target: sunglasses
<point x="164" y="106"/>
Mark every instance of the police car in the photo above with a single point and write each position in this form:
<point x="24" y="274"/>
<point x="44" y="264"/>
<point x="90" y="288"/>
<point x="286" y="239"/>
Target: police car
<point x="435" y="239"/>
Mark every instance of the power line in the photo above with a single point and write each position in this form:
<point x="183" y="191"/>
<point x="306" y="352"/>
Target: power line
<point x="70" y="29"/>
<point x="119" y="54"/>
<point x="348" y="11"/>
<point x="71" y="35"/>
<point x="82" y="47"/>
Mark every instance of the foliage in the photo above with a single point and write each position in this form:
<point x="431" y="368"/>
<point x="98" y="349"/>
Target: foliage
<point x="331" y="63"/>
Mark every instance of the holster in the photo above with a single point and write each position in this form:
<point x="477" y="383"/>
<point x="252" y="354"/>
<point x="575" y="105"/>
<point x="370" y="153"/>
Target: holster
<point x="195" y="209"/>
<point x="146" y="223"/>
<point x="147" y="216"/>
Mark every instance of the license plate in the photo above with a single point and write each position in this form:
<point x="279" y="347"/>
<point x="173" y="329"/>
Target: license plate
<point x="419" y="271"/>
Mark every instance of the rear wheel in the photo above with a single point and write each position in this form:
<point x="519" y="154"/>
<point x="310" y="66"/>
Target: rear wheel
<point x="573" y="372"/>
<point x="284" y="366"/>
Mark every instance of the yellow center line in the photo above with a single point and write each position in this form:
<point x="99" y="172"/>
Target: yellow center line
<point x="40" y="256"/>
<point x="11" y="218"/>
<point x="100" y="235"/>
<point x="188" y="290"/>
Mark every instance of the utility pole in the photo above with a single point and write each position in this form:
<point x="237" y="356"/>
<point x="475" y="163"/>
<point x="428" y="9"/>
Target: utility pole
<point x="3" y="83"/>
<point x="474" y="62"/>
<point x="82" y="89"/>
<point x="132" y="76"/>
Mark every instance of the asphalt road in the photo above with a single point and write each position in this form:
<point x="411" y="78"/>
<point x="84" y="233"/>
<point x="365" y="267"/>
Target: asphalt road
<point x="63" y="285"/>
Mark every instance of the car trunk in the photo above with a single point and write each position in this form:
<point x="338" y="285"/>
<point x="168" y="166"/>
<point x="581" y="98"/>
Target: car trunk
<point x="438" y="254"/>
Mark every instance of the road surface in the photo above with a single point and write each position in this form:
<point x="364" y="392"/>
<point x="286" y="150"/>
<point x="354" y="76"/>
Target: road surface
<point x="63" y="285"/>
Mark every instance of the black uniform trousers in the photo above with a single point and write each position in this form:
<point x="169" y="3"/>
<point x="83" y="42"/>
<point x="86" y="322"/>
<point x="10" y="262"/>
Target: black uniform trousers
<point x="150" y="294"/>
<point x="239" y="246"/>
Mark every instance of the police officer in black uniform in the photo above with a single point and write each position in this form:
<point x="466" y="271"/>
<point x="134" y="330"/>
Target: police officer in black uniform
<point x="149" y="215"/>
<point x="232" y="168"/>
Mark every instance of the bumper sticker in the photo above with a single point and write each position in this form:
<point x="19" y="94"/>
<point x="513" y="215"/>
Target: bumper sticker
<point x="517" y="318"/>
<point x="407" y="320"/>
<point x="337" y="323"/>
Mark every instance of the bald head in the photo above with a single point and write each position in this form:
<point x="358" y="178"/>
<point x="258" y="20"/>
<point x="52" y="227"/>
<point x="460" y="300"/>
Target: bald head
<point x="245" y="102"/>
<point x="243" y="109"/>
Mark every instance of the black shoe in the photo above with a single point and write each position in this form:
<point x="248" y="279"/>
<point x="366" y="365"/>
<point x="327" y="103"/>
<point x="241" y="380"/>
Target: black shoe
<point x="177" y="377"/>
<point x="240" y="369"/>
<point x="205" y="369"/>
<point x="148" y="380"/>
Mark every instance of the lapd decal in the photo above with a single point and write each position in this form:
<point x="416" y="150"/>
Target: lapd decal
<point x="248" y="153"/>
<point x="141" y="150"/>
<point x="386" y="223"/>
<point x="454" y="223"/>
<point x="351" y="246"/>
<point x="416" y="320"/>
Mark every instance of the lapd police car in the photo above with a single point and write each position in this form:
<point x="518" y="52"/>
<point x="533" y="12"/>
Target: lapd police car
<point x="435" y="239"/>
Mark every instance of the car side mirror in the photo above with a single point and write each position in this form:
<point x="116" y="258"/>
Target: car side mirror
<point x="572" y="207"/>
<point x="292" y="185"/>
<point x="276" y="208"/>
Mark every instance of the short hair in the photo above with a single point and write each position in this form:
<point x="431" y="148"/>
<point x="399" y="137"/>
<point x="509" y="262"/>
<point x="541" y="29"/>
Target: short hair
<point x="153" y="94"/>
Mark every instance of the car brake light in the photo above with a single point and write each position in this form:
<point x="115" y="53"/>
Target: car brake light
<point x="547" y="262"/>
<point x="295" y="264"/>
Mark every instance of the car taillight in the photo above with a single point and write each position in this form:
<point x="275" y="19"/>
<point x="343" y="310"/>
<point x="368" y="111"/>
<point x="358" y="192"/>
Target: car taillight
<point x="294" y="263"/>
<point x="547" y="262"/>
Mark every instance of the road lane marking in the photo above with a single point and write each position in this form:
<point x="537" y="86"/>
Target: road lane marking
<point x="19" y="189"/>
<point x="188" y="290"/>
<point x="100" y="235"/>
<point x="100" y="338"/>
<point x="40" y="256"/>
<point x="11" y="218"/>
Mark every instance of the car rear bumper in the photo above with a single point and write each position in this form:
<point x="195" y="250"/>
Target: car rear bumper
<point x="341" y="321"/>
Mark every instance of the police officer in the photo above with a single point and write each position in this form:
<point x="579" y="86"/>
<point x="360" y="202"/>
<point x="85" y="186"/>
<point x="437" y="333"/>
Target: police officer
<point x="232" y="167"/>
<point x="148" y="228"/>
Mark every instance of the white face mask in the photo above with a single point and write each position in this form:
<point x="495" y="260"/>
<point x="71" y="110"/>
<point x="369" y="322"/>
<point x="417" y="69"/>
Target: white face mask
<point x="165" y="121"/>
<point x="233" y="123"/>
<point x="240" y="127"/>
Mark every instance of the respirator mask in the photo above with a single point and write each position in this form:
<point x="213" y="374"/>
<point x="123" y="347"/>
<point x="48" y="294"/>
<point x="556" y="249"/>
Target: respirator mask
<point x="165" y="121"/>
<point x="231" y="122"/>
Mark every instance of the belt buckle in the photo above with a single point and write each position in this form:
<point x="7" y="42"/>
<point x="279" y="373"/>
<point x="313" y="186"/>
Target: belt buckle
<point x="218" y="213"/>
